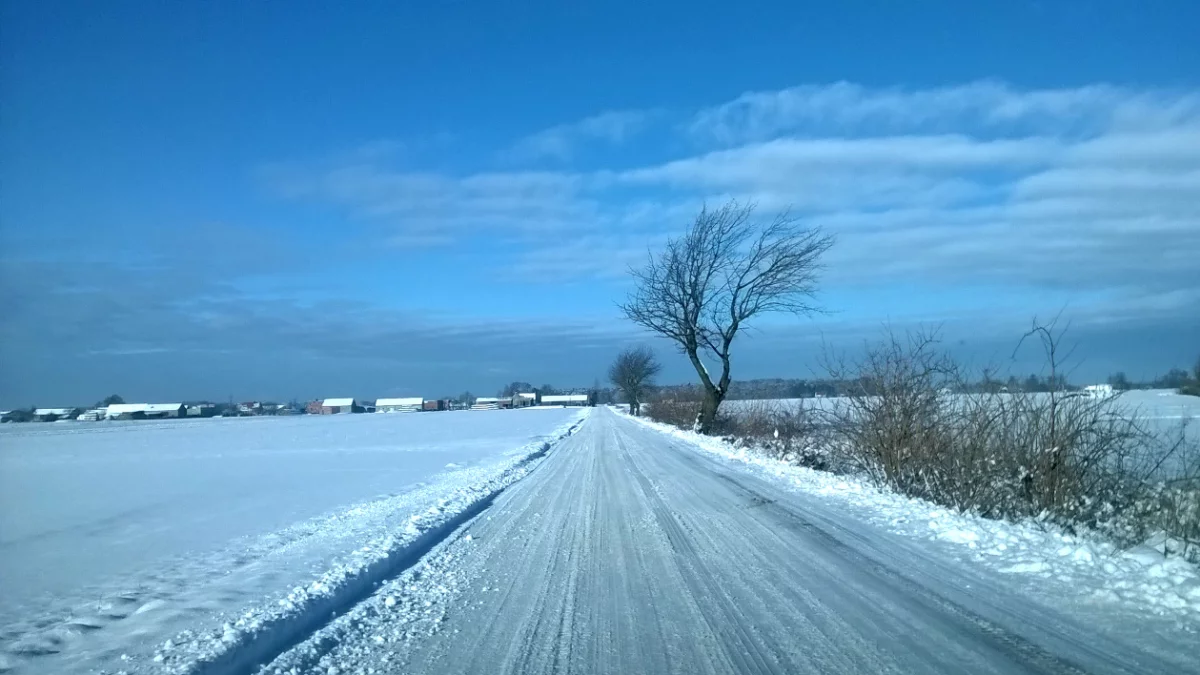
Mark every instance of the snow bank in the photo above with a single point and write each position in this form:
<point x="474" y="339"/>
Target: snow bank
<point x="1081" y="569"/>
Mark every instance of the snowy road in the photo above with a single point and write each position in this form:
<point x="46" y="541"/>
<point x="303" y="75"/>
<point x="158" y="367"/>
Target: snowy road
<point x="627" y="552"/>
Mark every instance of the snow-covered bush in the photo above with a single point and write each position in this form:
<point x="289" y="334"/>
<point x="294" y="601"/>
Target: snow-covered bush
<point x="771" y="428"/>
<point x="677" y="413"/>
<point x="1164" y="510"/>
<point x="1078" y="462"/>
<point x="780" y="431"/>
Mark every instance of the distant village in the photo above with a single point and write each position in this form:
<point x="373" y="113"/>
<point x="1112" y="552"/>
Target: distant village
<point x="114" y="408"/>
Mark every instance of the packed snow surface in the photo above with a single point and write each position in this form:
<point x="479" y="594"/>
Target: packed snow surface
<point x="114" y="533"/>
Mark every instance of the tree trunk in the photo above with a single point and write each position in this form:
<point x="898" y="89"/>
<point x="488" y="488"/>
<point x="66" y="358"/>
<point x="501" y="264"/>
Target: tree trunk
<point x="708" y="410"/>
<point x="713" y="394"/>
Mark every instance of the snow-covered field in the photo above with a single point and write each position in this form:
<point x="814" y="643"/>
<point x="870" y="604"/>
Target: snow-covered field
<point x="115" y="536"/>
<point x="1162" y="405"/>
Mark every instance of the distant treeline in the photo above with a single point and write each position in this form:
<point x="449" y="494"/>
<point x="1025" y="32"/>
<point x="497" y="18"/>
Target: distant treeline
<point x="1175" y="378"/>
<point x="599" y="394"/>
<point x="775" y="388"/>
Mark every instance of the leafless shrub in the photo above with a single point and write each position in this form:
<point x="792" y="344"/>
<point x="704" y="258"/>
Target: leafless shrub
<point x="894" y="424"/>
<point x="776" y="429"/>
<point x="1061" y="457"/>
<point x="1163" y="509"/>
<point x="678" y="411"/>
<point x="782" y="431"/>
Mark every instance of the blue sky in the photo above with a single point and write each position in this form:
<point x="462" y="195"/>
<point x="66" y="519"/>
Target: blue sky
<point x="303" y="199"/>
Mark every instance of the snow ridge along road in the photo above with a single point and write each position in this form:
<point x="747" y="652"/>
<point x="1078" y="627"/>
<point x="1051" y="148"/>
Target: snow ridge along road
<point x="627" y="551"/>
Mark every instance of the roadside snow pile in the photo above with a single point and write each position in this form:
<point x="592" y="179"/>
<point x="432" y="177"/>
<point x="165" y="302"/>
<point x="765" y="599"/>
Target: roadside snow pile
<point x="1088" y="571"/>
<point x="241" y="643"/>
<point x="383" y="627"/>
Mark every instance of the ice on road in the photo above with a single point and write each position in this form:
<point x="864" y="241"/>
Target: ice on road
<point x="625" y="551"/>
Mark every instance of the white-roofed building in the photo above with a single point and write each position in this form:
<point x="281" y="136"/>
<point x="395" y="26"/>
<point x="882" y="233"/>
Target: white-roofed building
<point x="524" y="400"/>
<point x="124" y="411"/>
<point x="336" y="406"/>
<point x="53" y="414"/>
<point x="567" y="400"/>
<point x="1098" y="390"/>
<point x="165" y="410"/>
<point x="138" y="411"/>
<point x="392" y="405"/>
<point x="486" y="403"/>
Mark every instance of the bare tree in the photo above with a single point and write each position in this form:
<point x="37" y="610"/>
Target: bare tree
<point x="633" y="373"/>
<point x="707" y="284"/>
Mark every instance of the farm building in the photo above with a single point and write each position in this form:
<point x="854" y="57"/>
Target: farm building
<point x="567" y="400"/>
<point x="124" y="411"/>
<point x="439" y="404"/>
<point x="393" y="405"/>
<point x="250" y="408"/>
<point x="490" y="403"/>
<point x="154" y="410"/>
<point x="16" y="416"/>
<point x="140" y="411"/>
<point x="53" y="414"/>
<point x="524" y="400"/>
<point x="335" y="406"/>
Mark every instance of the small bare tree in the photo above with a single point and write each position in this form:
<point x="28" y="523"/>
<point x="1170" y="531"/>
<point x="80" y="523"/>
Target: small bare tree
<point x="633" y="373"/>
<point x="707" y="284"/>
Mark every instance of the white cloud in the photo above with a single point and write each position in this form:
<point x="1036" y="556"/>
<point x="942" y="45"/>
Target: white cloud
<point x="1089" y="188"/>
<point x="562" y="141"/>
<point x="603" y="256"/>
<point x="1094" y="188"/>
<point x="1174" y="146"/>
<point x="426" y="207"/>
<point x="1110" y="180"/>
<point x="792" y="161"/>
<point x="843" y="108"/>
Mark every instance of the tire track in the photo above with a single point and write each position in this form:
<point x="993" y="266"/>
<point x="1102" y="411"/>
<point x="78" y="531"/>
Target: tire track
<point x="702" y="583"/>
